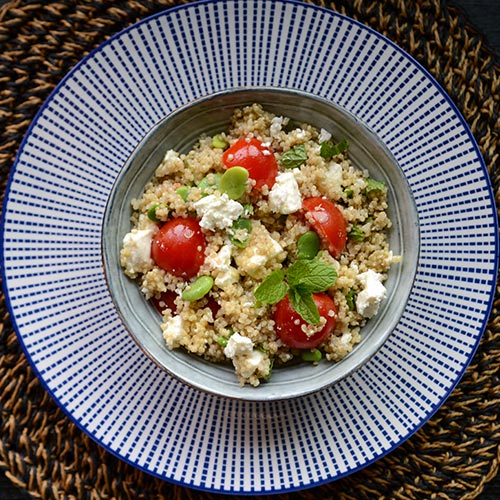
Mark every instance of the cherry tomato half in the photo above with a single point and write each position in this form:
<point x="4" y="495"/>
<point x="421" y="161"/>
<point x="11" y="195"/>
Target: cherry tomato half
<point x="289" y="324"/>
<point x="259" y="160"/>
<point x="179" y="247"/>
<point x="328" y="221"/>
<point x="166" y="300"/>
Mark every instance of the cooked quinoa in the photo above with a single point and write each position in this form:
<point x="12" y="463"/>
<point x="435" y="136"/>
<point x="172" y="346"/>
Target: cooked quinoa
<point x="228" y="323"/>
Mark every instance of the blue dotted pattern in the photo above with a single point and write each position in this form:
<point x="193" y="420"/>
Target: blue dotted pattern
<point x="56" y="288"/>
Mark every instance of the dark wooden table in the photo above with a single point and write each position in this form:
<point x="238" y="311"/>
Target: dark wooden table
<point x="485" y="16"/>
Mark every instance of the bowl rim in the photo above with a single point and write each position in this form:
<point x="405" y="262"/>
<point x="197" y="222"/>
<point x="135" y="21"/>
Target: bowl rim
<point x="254" y="394"/>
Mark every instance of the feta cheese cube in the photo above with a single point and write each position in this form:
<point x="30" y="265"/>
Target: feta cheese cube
<point x="285" y="197"/>
<point x="246" y="359"/>
<point x="238" y="345"/>
<point x="374" y="292"/>
<point x="171" y="163"/>
<point x="135" y="255"/>
<point x="218" y="212"/>
<point x="324" y="136"/>
<point x="173" y="331"/>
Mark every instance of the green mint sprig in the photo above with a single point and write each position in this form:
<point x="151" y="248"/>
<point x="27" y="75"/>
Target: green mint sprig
<point x="301" y="280"/>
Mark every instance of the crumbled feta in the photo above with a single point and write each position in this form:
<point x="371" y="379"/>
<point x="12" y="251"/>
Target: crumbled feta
<point x="246" y="359"/>
<point x="238" y="345"/>
<point x="218" y="212"/>
<point x="285" y="197"/>
<point x="136" y="252"/>
<point x="261" y="249"/>
<point x="173" y="331"/>
<point x="335" y="173"/>
<point x="374" y="292"/>
<point x="221" y="266"/>
<point x="276" y="125"/>
<point x="324" y="136"/>
<point x="171" y="163"/>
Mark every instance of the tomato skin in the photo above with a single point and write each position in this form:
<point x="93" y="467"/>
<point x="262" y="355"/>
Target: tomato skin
<point x="259" y="160"/>
<point x="289" y="323"/>
<point x="166" y="300"/>
<point x="179" y="247"/>
<point x="328" y="221"/>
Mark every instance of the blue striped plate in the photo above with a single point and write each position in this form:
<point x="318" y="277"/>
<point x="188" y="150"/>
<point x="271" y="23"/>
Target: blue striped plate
<point x="53" y="273"/>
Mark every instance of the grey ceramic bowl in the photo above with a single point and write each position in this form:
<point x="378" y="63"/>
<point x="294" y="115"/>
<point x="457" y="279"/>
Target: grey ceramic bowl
<point x="210" y="114"/>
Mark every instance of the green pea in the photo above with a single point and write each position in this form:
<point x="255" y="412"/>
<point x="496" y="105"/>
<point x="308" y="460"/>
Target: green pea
<point x="151" y="213"/>
<point x="219" y="142"/>
<point x="198" y="288"/>
<point x="312" y="356"/>
<point x="234" y="182"/>
<point x="308" y="245"/>
<point x="183" y="192"/>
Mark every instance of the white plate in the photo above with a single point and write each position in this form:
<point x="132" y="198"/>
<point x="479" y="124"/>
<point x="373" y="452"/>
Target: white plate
<point x="53" y="274"/>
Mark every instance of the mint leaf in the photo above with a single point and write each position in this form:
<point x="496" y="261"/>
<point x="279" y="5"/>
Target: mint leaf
<point x="305" y="306"/>
<point x="328" y="150"/>
<point x="294" y="157"/>
<point x="311" y="276"/>
<point x="272" y="289"/>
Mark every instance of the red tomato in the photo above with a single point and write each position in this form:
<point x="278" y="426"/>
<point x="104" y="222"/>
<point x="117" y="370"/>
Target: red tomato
<point x="289" y="323"/>
<point x="328" y="221"/>
<point x="179" y="247"/>
<point x="259" y="160"/>
<point x="167" y="299"/>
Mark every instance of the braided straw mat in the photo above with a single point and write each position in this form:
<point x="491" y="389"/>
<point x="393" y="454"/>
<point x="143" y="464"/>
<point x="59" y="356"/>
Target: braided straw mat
<point x="452" y="457"/>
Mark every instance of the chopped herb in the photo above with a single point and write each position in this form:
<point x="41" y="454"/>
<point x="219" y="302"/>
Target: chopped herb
<point x="240" y="232"/>
<point x="249" y="210"/>
<point x="374" y="188"/>
<point x="222" y="341"/>
<point x="183" y="192"/>
<point x="350" y="298"/>
<point x="348" y="193"/>
<point x="329" y="150"/>
<point x="294" y="157"/>
<point x="356" y="234"/>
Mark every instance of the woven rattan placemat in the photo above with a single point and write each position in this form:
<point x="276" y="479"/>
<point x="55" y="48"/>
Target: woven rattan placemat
<point x="451" y="457"/>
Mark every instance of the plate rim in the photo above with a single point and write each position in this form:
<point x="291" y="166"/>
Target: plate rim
<point x="7" y="194"/>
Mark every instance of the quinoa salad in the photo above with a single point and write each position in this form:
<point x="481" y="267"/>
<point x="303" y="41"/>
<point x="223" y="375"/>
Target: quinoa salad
<point x="262" y="246"/>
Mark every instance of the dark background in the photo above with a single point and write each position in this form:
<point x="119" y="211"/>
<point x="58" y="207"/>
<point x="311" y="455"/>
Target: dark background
<point x="484" y="15"/>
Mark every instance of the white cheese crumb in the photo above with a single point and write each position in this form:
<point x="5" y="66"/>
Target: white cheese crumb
<point x="246" y="359"/>
<point x="324" y="136"/>
<point x="171" y="163"/>
<point x="136" y="251"/>
<point x="374" y="292"/>
<point x="238" y="345"/>
<point x="173" y="332"/>
<point x="285" y="197"/>
<point x="221" y="265"/>
<point x="218" y="212"/>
